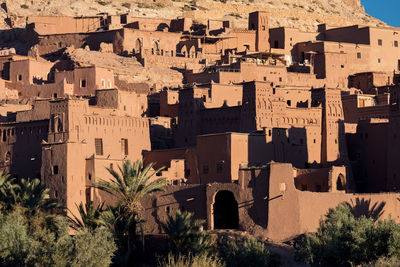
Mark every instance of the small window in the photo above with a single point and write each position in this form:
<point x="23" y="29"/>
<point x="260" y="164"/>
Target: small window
<point x="187" y="173"/>
<point x="220" y="167"/>
<point x="109" y="84"/>
<point x="359" y="55"/>
<point x="55" y="95"/>
<point x="289" y="103"/>
<point x="124" y="146"/>
<point x="380" y="42"/>
<point x="98" y="142"/>
<point x="19" y="77"/>
<point x="90" y="177"/>
<point x="83" y="83"/>
<point x="59" y="44"/>
<point x="342" y="66"/>
<point x="205" y="169"/>
<point x="103" y="83"/>
<point x="396" y="44"/>
<point x="265" y="79"/>
<point x="55" y="169"/>
<point x="379" y="60"/>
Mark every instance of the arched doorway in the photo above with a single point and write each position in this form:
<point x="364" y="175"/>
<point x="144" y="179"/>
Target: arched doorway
<point x="226" y="214"/>
<point x="138" y="46"/>
<point x="340" y="182"/>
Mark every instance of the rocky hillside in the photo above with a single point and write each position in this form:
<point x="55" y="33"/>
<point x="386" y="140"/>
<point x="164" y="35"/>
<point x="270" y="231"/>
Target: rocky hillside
<point x="303" y="14"/>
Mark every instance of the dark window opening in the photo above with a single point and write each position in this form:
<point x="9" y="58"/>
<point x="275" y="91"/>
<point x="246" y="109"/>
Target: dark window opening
<point x="205" y="169"/>
<point x="220" y="167"/>
<point x="358" y="55"/>
<point x="396" y="44"/>
<point x="83" y="83"/>
<point x="289" y="103"/>
<point x="340" y="182"/>
<point x="380" y="42"/>
<point x="187" y="173"/>
<point x="55" y="169"/>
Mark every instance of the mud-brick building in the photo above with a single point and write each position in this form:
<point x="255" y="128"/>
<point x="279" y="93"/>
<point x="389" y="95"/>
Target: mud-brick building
<point x="22" y="134"/>
<point x="82" y="141"/>
<point x="274" y="201"/>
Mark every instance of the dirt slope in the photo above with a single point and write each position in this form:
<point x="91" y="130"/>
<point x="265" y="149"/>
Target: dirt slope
<point x="304" y="14"/>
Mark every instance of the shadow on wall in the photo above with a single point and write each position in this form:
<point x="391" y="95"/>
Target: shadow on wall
<point x="258" y="212"/>
<point x="361" y="207"/>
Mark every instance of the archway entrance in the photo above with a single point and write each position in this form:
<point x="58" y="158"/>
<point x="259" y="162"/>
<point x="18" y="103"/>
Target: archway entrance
<point x="226" y="214"/>
<point x="340" y="182"/>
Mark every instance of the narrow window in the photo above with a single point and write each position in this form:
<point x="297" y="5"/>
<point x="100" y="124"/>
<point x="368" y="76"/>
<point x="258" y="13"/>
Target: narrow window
<point x="124" y="146"/>
<point x="103" y="83"/>
<point x="205" y="169"/>
<point x="19" y="77"/>
<point x="289" y="103"/>
<point x="379" y="60"/>
<point x="109" y="84"/>
<point x="396" y="44"/>
<point x="83" y="83"/>
<point x="220" y="167"/>
<point x="358" y="55"/>
<point x="55" y="169"/>
<point x="98" y="142"/>
<point x="380" y="42"/>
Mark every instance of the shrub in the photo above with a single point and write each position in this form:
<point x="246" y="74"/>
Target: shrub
<point x="235" y="252"/>
<point x="126" y="5"/>
<point x="343" y="238"/>
<point x="192" y="261"/>
<point x="103" y="3"/>
<point x="41" y="240"/>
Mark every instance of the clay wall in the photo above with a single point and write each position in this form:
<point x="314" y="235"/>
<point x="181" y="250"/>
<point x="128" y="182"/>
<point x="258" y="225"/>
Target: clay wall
<point x="47" y="25"/>
<point x="163" y="43"/>
<point x="163" y="158"/>
<point x="20" y="145"/>
<point x="393" y="167"/>
<point x="80" y="132"/>
<point x="169" y="104"/>
<point x="289" y="209"/>
<point x="368" y="148"/>
<point x="29" y="71"/>
<point x="367" y="82"/>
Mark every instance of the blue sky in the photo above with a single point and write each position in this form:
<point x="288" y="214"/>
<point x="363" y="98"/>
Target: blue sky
<point x="385" y="10"/>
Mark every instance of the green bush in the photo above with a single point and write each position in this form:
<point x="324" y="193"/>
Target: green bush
<point x="43" y="240"/>
<point x="236" y="252"/>
<point x="126" y="5"/>
<point x="343" y="238"/>
<point x="103" y="3"/>
<point x="192" y="261"/>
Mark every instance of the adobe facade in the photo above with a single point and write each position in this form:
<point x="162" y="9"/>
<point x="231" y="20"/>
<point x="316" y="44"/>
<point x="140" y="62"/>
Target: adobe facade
<point x="266" y="123"/>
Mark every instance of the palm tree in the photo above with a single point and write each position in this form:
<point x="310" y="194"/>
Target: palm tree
<point x="7" y="186"/>
<point x="129" y="187"/>
<point x="185" y="234"/>
<point x="90" y="216"/>
<point x="34" y="196"/>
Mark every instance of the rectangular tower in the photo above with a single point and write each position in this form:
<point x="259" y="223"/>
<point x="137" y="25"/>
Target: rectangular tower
<point x="258" y="21"/>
